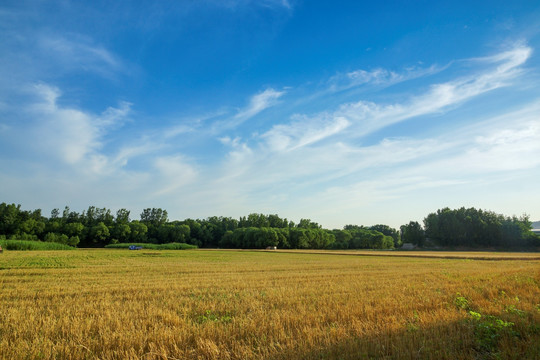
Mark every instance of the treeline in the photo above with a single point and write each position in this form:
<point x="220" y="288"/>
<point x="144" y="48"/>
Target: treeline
<point x="479" y="228"/>
<point x="98" y="227"/>
<point x="472" y="228"/>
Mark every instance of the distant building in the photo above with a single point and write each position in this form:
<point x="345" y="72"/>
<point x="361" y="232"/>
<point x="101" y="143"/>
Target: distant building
<point x="408" y="246"/>
<point x="536" y="231"/>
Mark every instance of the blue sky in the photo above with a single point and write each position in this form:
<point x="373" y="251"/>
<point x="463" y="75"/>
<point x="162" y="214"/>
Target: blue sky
<point x="341" y="112"/>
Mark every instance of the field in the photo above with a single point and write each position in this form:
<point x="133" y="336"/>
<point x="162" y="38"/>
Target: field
<point x="204" y="304"/>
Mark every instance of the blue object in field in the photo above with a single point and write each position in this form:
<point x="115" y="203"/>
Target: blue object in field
<point x="134" y="247"/>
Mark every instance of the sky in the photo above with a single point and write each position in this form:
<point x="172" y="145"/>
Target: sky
<point x="349" y="112"/>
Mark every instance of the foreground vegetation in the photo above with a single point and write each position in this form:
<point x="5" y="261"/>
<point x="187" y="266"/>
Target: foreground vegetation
<point x="210" y="304"/>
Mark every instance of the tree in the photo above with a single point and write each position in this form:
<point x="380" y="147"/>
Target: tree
<point x="298" y="238"/>
<point x="194" y="231"/>
<point x="308" y="224"/>
<point x="9" y="218"/>
<point x="73" y="241"/>
<point x="154" y="216"/>
<point x="99" y="234"/>
<point x="174" y="232"/>
<point x="343" y="238"/>
<point x="122" y="216"/>
<point x="472" y="227"/>
<point x="73" y="229"/>
<point x="32" y="227"/>
<point x="55" y="213"/>
<point x="388" y="231"/>
<point x="138" y="232"/>
<point x="413" y="233"/>
<point x="121" y="232"/>
<point x="57" y="238"/>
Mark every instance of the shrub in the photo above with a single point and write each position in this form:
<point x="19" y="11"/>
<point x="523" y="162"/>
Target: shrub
<point x="169" y="246"/>
<point x="32" y="245"/>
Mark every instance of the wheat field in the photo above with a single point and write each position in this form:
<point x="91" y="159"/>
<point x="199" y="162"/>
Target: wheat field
<point x="196" y="304"/>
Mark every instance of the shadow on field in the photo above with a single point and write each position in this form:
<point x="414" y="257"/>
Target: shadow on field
<point x="457" y="340"/>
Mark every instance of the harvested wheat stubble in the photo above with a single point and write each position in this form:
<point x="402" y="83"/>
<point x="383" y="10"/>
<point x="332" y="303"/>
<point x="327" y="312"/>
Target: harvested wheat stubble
<point x="117" y="304"/>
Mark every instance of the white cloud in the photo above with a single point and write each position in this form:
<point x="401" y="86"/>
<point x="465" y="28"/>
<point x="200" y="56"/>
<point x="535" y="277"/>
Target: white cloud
<point x="363" y="117"/>
<point x="79" y="53"/>
<point x="371" y="117"/>
<point x="71" y="135"/>
<point x="465" y="167"/>
<point x="378" y="77"/>
<point x="174" y="173"/>
<point x="303" y="131"/>
<point x="320" y="165"/>
<point x="115" y="116"/>
<point x="271" y="4"/>
<point x="258" y="103"/>
<point x="139" y="148"/>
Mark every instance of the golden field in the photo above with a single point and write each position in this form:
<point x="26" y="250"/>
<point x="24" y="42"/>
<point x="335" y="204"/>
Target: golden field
<point x="197" y="304"/>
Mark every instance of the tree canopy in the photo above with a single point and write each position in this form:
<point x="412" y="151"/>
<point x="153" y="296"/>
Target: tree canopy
<point x="97" y="227"/>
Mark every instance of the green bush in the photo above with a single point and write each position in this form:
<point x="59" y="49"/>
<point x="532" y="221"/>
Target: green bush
<point x="169" y="246"/>
<point x="32" y="245"/>
<point x="24" y="236"/>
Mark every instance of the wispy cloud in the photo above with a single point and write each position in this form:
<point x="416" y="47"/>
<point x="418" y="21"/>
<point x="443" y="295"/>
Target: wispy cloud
<point x="323" y="153"/>
<point x="258" y="103"/>
<point x="174" y="173"/>
<point x="272" y="4"/>
<point x="79" y="53"/>
<point x="298" y="133"/>
<point x="325" y="157"/>
<point x="378" y="77"/>
<point x="79" y="50"/>
<point x="364" y="117"/>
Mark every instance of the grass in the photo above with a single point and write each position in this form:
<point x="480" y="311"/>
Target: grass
<point x="195" y="304"/>
<point x="169" y="246"/>
<point x="32" y="245"/>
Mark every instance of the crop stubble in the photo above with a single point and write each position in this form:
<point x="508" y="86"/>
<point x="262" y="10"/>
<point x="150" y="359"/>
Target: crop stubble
<point x="120" y="304"/>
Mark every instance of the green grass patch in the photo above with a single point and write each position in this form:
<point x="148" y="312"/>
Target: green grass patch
<point x="170" y="246"/>
<point x="32" y="245"/>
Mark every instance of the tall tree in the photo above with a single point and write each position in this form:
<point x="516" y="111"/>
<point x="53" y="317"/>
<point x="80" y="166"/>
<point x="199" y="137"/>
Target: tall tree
<point x="413" y="233"/>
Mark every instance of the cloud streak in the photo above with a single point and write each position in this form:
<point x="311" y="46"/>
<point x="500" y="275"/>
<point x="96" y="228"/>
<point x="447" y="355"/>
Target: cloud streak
<point x="363" y="117"/>
<point x="378" y="77"/>
<point x="258" y="103"/>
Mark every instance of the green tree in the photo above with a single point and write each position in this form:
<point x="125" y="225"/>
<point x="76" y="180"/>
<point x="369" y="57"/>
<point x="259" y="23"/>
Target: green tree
<point x="122" y="216"/>
<point x="121" y="232"/>
<point x="388" y="231"/>
<point x="308" y="224"/>
<point x="343" y="238"/>
<point x="154" y="216"/>
<point x="138" y="232"/>
<point x="73" y="229"/>
<point x="99" y="234"/>
<point x="73" y="241"/>
<point x="413" y="233"/>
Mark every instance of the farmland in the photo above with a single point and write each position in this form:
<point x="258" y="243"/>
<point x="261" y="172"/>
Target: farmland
<point x="197" y="304"/>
